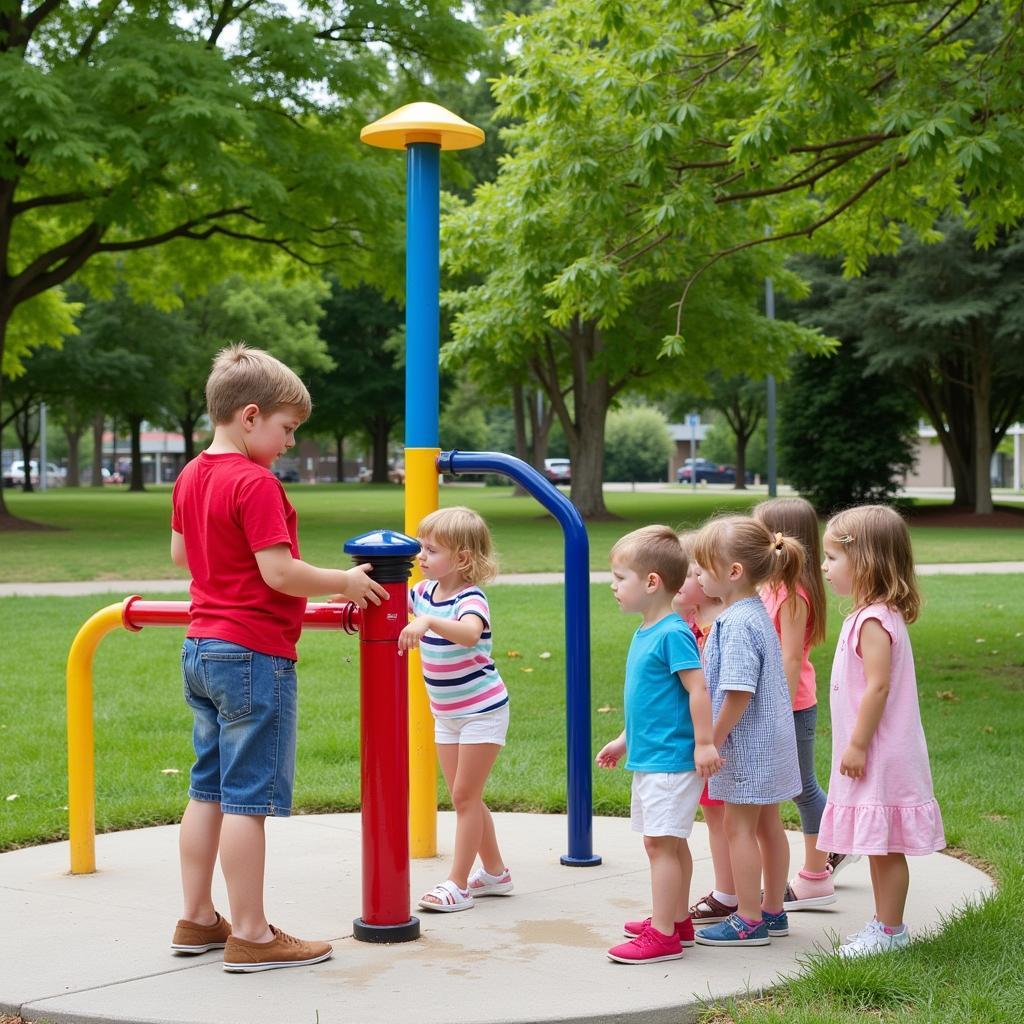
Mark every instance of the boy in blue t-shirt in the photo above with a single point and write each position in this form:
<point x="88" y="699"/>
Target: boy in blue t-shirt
<point x="668" y="736"/>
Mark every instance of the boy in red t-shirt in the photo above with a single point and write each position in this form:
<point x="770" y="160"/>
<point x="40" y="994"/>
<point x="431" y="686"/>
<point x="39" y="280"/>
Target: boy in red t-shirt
<point x="233" y="527"/>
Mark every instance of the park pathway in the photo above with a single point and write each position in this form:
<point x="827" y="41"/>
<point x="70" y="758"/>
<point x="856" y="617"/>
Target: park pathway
<point x="77" y="588"/>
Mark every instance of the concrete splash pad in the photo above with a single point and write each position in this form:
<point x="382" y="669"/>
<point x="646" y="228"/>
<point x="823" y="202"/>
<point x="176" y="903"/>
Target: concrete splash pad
<point x="94" y="948"/>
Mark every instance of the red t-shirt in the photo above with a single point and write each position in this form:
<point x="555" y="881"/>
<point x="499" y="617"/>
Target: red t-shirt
<point x="227" y="508"/>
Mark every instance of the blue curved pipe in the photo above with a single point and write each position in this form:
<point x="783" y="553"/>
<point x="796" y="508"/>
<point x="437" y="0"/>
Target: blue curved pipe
<point x="579" y="793"/>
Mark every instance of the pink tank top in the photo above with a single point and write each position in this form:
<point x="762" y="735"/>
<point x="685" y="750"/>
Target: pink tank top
<point x="806" y="688"/>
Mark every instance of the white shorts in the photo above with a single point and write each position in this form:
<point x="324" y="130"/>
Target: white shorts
<point x="486" y="727"/>
<point x="664" y="803"/>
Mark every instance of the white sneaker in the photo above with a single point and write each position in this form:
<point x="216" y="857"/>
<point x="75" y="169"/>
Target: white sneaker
<point x="875" y="940"/>
<point x="869" y="927"/>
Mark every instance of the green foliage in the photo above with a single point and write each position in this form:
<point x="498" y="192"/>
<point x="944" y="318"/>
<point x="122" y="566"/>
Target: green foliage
<point x="463" y="422"/>
<point x="362" y="388"/>
<point x="947" y="318"/>
<point x="845" y="436"/>
<point x="637" y="444"/>
<point x="133" y="131"/>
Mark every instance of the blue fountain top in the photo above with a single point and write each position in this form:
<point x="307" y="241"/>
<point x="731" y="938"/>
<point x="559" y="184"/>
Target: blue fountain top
<point x="382" y="544"/>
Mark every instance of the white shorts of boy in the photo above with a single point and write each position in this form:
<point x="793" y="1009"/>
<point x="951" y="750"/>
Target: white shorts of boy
<point x="486" y="727"/>
<point x="664" y="803"/>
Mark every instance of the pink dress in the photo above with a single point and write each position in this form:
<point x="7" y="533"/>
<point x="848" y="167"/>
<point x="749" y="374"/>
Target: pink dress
<point x="892" y="809"/>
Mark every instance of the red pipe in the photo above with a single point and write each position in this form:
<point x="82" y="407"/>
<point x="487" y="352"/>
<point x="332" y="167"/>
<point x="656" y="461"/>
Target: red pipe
<point x="384" y="739"/>
<point x="136" y="613"/>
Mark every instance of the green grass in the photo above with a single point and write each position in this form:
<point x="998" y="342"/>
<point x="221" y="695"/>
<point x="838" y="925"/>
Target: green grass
<point x="118" y="535"/>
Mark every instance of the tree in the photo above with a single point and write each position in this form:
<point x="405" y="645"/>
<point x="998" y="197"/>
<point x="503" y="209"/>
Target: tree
<point x="133" y="129"/>
<point x="637" y="444"/>
<point x="364" y="390"/>
<point x="946" y="318"/>
<point x="650" y="140"/>
<point x="741" y="401"/>
<point x="278" y="313"/>
<point x="845" y="435"/>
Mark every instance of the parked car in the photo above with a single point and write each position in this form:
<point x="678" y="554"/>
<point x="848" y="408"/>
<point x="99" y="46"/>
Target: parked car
<point x="707" y="472"/>
<point x="15" y="476"/>
<point x="396" y="474"/>
<point x="288" y="476"/>
<point x="558" y="471"/>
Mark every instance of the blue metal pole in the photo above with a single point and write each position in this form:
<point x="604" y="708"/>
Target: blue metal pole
<point x="579" y="790"/>
<point x="422" y="293"/>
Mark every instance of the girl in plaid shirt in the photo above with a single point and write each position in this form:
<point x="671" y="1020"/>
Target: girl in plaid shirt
<point x="753" y="727"/>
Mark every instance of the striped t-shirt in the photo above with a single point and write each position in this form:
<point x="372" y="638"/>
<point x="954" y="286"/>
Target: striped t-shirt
<point x="460" y="680"/>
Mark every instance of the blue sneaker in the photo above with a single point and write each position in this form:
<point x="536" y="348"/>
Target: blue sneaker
<point x="734" y="931"/>
<point x="776" y="925"/>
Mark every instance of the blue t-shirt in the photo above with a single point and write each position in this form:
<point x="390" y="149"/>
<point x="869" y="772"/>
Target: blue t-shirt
<point x="659" y="729"/>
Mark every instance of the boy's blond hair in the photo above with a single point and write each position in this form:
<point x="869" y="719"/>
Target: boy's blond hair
<point x="877" y="542"/>
<point x="654" y="549"/>
<point x="242" y="376"/>
<point x="463" y="532"/>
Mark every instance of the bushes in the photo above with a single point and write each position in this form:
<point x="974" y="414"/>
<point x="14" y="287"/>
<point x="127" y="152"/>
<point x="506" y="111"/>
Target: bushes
<point x="637" y="444"/>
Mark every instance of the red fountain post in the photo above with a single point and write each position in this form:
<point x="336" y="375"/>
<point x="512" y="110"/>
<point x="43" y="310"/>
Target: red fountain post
<point x="384" y="742"/>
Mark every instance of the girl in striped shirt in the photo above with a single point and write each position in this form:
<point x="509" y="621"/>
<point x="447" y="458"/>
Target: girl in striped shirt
<point x="452" y="628"/>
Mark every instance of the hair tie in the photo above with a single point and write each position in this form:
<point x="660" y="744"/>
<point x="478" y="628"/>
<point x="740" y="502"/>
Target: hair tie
<point x="778" y="542"/>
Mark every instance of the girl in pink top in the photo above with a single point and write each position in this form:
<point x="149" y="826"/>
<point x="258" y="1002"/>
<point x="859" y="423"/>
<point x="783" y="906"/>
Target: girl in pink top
<point x="799" y="619"/>
<point x="880" y="799"/>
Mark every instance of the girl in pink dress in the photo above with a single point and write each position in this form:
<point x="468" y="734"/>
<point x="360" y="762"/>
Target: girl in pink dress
<point x="880" y="799"/>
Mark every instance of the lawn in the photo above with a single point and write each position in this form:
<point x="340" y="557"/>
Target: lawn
<point x="118" y="535"/>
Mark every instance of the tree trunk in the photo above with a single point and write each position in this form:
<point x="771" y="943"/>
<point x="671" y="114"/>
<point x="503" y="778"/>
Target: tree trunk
<point x="23" y="428"/>
<point x="135" y="426"/>
<point x="97" y="450"/>
<point x="6" y="519"/>
<point x="591" y="397"/>
<point x="742" y="440"/>
<point x="541" y="417"/>
<point x="73" y="434"/>
<point x="946" y="408"/>
<point x="380" y="434"/>
<point x="339" y="458"/>
<point x="519" y="421"/>
<point x="982" y="380"/>
<point x="188" y="432"/>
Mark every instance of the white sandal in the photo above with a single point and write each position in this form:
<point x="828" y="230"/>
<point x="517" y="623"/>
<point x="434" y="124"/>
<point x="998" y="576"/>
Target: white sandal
<point x="448" y="898"/>
<point x="483" y="884"/>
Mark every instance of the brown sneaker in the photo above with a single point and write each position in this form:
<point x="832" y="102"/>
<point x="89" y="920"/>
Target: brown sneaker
<point x="281" y="951"/>
<point x="190" y="937"/>
<point x="708" y="910"/>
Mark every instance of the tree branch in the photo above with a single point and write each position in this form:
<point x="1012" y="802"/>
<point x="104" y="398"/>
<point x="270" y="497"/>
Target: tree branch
<point x="105" y="14"/>
<point x="32" y="21"/>
<point x="58" y="199"/>
<point x="796" y="233"/>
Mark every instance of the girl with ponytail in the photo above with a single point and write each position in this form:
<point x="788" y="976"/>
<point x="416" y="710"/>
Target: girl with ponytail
<point x="753" y="720"/>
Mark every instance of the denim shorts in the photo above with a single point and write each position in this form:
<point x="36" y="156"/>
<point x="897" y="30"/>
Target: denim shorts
<point x="244" y="721"/>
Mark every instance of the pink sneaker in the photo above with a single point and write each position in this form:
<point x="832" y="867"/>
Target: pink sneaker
<point x="805" y="892"/>
<point x="649" y="947"/>
<point x="684" y="930"/>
